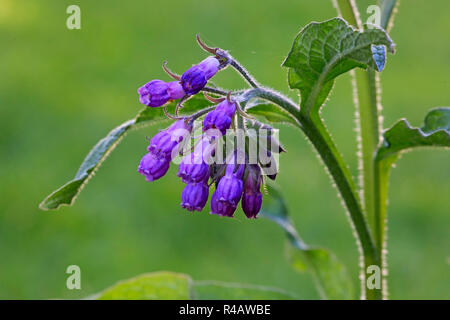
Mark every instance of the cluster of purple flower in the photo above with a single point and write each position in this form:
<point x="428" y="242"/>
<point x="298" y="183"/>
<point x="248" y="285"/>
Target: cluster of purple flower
<point x="234" y="182"/>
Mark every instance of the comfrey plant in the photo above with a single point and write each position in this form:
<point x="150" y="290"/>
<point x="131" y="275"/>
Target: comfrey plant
<point x="203" y="163"/>
<point x="227" y="142"/>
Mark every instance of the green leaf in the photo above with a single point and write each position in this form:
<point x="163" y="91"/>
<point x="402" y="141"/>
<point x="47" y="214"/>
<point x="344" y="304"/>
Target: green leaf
<point x="402" y="136"/>
<point x="216" y="290"/>
<point x="176" y="286"/>
<point x="67" y="194"/>
<point x="270" y="112"/>
<point x="330" y="276"/>
<point x="151" y="286"/>
<point x="323" y="51"/>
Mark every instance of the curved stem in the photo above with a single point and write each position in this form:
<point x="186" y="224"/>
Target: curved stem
<point x="218" y="91"/>
<point x="245" y="74"/>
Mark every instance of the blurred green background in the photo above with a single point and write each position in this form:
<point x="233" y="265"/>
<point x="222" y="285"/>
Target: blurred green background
<point x="62" y="90"/>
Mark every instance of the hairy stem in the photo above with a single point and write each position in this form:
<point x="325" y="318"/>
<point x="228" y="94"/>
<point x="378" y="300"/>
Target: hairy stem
<point x="381" y="169"/>
<point x="245" y="74"/>
<point x="369" y="123"/>
<point x="367" y="101"/>
<point x="218" y="91"/>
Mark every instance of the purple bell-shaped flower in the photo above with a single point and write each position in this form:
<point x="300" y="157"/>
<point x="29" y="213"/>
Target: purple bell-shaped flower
<point x="157" y="92"/>
<point x="195" y="166"/>
<point x="228" y="192"/>
<point x="252" y="196"/>
<point x="165" y="143"/>
<point x="195" y="78"/>
<point x="153" y="167"/>
<point x="195" y="195"/>
<point x="221" y="117"/>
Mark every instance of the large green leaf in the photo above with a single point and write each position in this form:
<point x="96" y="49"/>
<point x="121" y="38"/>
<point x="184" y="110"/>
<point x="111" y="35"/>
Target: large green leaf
<point x="176" y="286"/>
<point x="67" y="194"/>
<point x="330" y="276"/>
<point x="402" y="136"/>
<point x="150" y="286"/>
<point x="323" y="51"/>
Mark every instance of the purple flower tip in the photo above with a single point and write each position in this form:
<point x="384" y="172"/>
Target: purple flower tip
<point x="196" y="77"/>
<point x="153" y="167"/>
<point x="228" y="192"/>
<point x="252" y="196"/>
<point x="194" y="167"/>
<point x="165" y="142"/>
<point x="157" y="92"/>
<point x="194" y="196"/>
<point x="221" y="117"/>
<point x="251" y="204"/>
<point x="229" y="108"/>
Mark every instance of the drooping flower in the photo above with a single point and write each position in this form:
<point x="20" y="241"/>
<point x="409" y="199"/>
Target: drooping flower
<point x="228" y="192"/>
<point x="153" y="167"/>
<point x="165" y="142"/>
<point x="195" y="195"/>
<point x="220" y="118"/>
<point x="195" y="166"/>
<point x="252" y="196"/>
<point x="157" y="92"/>
<point x="268" y="164"/>
<point x="195" y="78"/>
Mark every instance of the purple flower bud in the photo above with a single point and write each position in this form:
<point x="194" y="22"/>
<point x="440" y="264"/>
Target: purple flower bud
<point x="153" y="167"/>
<point x="175" y="90"/>
<point x="195" y="167"/>
<point x="221" y="117"/>
<point x="252" y="196"/>
<point x="157" y="92"/>
<point x="226" y="197"/>
<point x="196" y="77"/>
<point x="228" y="192"/>
<point x="229" y="108"/>
<point x="217" y="120"/>
<point x="164" y="143"/>
<point x="194" y="196"/>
